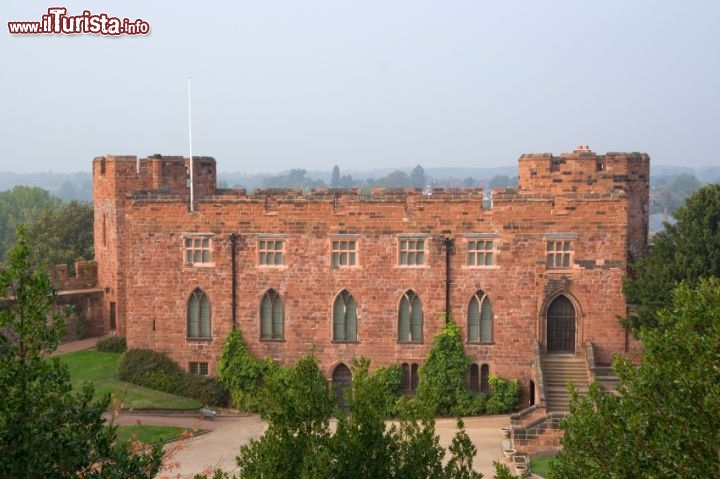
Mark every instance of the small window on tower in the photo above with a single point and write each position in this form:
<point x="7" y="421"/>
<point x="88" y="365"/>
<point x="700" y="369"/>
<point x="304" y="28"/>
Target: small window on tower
<point x="559" y="254"/>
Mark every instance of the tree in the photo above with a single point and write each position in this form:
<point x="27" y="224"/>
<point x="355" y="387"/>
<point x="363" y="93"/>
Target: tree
<point x="442" y="389"/>
<point x="686" y="251"/>
<point x="295" y="178"/>
<point x="18" y="206"/>
<point x="664" y="424"/>
<point x="442" y="384"/>
<point x="299" y="443"/>
<point x="396" y="179"/>
<point x="335" y="178"/>
<point x="502" y="181"/>
<point x="297" y="406"/>
<point x="62" y="235"/>
<point x="417" y="177"/>
<point x="46" y="429"/>
<point x="672" y="195"/>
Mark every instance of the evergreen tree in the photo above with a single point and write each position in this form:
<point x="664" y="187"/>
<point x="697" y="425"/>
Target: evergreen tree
<point x="46" y="429"/>
<point x="335" y="178"/>
<point x="417" y="177"/>
<point x="665" y="422"/>
<point x="299" y="443"/>
<point x="686" y="251"/>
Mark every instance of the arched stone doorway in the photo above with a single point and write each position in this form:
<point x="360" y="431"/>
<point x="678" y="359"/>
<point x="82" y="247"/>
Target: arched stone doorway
<point x="561" y="326"/>
<point x="341" y="378"/>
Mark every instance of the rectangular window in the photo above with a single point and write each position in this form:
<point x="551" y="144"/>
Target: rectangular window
<point x="480" y="252"/>
<point x="344" y="253"/>
<point x="409" y="377"/>
<point x="198" y="249"/>
<point x="411" y="252"/>
<point x="559" y="254"/>
<point x="271" y="252"/>
<point x="199" y="368"/>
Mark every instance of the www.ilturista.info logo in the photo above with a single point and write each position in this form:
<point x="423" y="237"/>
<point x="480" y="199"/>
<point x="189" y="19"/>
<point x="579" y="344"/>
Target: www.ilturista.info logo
<point x="57" y="22"/>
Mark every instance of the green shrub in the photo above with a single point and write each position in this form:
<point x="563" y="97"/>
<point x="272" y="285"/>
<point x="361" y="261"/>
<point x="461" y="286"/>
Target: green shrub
<point x="111" y="344"/>
<point x="442" y="382"/>
<point x="390" y="379"/>
<point x="135" y="363"/>
<point x="408" y="407"/>
<point x="155" y="370"/>
<point x="385" y="383"/>
<point x="470" y="404"/>
<point x="207" y="389"/>
<point x="161" y="381"/>
<point x="505" y="395"/>
<point x="241" y="373"/>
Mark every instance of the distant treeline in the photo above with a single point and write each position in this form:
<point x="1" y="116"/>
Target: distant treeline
<point x="58" y="232"/>
<point x="669" y="184"/>
<point x="416" y="177"/>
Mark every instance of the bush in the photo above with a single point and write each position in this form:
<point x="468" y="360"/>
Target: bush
<point x="505" y="395"/>
<point x="112" y="344"/>
<point x="388" y="380"/>
<point x="207" y="389"/>
<point x="155" y="370"/>
<point x="135" y="363"/>
<point x="162" y="381"/>
<point x="385" y="383"/>
<point x="241" y="373"/>
<point x="442" y="383"/>
<point x="470" y="404"/>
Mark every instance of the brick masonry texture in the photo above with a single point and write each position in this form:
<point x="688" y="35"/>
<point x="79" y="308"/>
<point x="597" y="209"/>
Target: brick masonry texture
<point x="142" y="215"/>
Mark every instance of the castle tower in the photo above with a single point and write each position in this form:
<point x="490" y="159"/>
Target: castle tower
<point x="117" y="181"/>
<point x="584" y="172"/>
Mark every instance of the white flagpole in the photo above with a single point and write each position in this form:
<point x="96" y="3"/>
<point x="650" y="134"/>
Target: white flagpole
<point x="192" y="174"/>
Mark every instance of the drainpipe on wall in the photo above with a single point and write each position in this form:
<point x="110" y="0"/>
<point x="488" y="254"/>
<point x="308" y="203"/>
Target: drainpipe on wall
<point x="233" y="247"/>
<point x="448" y="243"/>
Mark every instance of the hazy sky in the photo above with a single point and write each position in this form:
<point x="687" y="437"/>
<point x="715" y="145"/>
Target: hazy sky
<point x="364" y="83"/>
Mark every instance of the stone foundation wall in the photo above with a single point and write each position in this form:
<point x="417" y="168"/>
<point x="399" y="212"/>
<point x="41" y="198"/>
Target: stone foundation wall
<point x="538" y="433"/>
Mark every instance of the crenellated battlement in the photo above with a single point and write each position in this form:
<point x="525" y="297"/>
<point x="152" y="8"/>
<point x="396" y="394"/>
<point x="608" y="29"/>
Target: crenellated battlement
<point x="582" y="171"/>
<point x="85" y="276"/>
<point x="115" y="176"/>
<point x="166" y="178"/>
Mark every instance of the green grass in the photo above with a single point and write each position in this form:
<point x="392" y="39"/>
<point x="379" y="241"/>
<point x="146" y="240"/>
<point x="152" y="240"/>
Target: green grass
<point x="540" y="465"/>
<point x="100" y="368"/>
<point x="150" y="434"/>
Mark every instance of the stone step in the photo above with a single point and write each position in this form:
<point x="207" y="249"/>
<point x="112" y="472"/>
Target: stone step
<point x="565" y="370"/>
<point x="563" y="381"/>
<point x="609" y="384"/>
<point x="558" y="371"/>
<point x="563" y="388"/>
<point x="579" y="375"/>
<point x="569" y="370"/>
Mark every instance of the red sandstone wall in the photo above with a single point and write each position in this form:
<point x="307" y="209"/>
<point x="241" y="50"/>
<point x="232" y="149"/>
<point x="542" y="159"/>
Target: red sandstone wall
<point x="85" y="276"/>
<point x="139" y="250"/>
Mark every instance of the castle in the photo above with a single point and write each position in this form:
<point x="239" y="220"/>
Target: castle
<point x="535" y="270"/>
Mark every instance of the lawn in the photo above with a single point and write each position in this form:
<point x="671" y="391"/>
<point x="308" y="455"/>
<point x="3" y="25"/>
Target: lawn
<point x="100" y="368"/>
<point x="151" y="434"/>
<point x="540" y="465"/>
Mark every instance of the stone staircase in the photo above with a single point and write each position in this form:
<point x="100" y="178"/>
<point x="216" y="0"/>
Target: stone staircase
<point x="559" y="370"/>
<point x="608" y="380"/>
